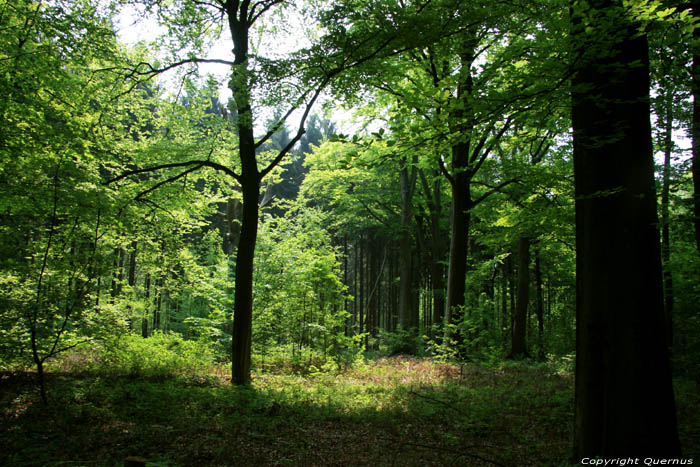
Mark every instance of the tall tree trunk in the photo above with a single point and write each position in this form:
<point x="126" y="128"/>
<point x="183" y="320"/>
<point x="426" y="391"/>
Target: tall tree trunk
<point x="695" y="131"/>
<point x="372" y="297"/>
<point x="462" y="173"/>
<point x="243" y="296"/>
<point x="437" y="246"/>
<point x="250" y="186"/>
<point x="131" y="279"/>
<point x="361" y="301"/>
<point x="540" y="308"/>
<point x="505" y="325"/>
<point x="457" y="266"/>
<point x="407" y="180"/>
<point x="518" y="347"/>
<point x="144" y="318"/>
<point x="624" y="404"/>
<point x="665" y="218"/>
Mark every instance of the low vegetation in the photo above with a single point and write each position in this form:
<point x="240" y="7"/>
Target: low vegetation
<point x="396" y="410"/>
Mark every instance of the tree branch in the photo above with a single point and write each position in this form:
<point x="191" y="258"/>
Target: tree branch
<point x="496" y="189"/>
<point x="156" y="168"/>
<point x="166" y="181"/>
<point x="146" y="69"/>
<point x="300" y="131"/>
<point x="495" y="139"/>
<point x="264" y="6"/>
<point x="281" y="121"/>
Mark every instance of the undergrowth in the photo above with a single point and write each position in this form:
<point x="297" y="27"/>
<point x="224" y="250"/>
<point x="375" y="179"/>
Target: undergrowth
<point x="386" y="411"/>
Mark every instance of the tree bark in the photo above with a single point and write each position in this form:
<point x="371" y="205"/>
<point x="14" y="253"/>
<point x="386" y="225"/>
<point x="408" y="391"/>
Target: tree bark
<point x="519" y="347"/>
<point x="407" y="180"/>
<point x="540" y="308"/>
<point x="665" y="218"/>
<point x="460" y="181"/>
<point x="695" y="130"/>
<point x="437" y="246"/>
<point x="243" y="295"/>
<point x="624" y="404"/>
<point x="250" y="187"/>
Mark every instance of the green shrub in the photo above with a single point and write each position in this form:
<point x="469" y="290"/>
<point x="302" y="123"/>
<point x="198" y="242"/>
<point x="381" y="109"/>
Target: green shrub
<point x="160" y="355"/>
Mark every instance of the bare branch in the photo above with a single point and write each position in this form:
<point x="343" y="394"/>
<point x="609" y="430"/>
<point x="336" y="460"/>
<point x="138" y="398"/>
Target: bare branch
<point x="446" y="172"/>
<point x="496" y="189"/>
<point x="264" y="6"/>
<point x="156" y="168"/>
<point x="149" y="71"/>
<point x="166" y="181"/>
<point x="300" y="131"/>
<point x="490" y="147"/>
<point x="281" y="121"/>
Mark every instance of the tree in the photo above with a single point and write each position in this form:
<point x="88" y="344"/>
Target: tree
<point x="695" y="128"/>
<point x="54" y="213"/>
<point x="187" y="24"/>
<point x="624" y="400"/>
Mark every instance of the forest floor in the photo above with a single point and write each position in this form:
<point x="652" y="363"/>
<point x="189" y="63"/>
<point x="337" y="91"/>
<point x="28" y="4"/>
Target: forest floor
<point x="385" y="412"/>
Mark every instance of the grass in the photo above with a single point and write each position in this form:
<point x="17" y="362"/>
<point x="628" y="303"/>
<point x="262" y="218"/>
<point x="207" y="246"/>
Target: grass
<point x="390" y="411"/>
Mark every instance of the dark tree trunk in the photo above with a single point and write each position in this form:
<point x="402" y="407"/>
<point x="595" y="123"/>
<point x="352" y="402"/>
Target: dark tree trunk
<point x="540" y="308"/>
<point x="158" y="299"/>
<point x="144" y="319"/>
<point x="666" y="220"/>
<point x="372" y="294"/>
<point x="695" y="131"/>
<point x="361" y="301"/>
<point x="355" y="287"/>
<point x="511" y="289"/>
<point x="462" y="172"/>
<point x="132" y="264"/>
<point x="518" y="347"/>
<point x="438" y="246"/>
<point x="505" y="325"/>
<point x="243" y="296"/>
<point x="407" y="319"/>
<point x="457" y="266"/>
<point x="250" y="186"/>
<point x="624" y="404"/>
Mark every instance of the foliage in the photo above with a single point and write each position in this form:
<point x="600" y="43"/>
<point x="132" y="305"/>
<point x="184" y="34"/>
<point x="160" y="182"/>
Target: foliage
<point x="298" y="293"/>
<point x="160" y="355"/>
<point x="55" y="213"/>
<point x="438" y="413"/>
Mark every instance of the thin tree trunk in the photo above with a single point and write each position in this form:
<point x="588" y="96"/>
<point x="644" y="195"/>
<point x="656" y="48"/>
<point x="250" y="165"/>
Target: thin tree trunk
<point x="144" y="319"/>
<point x="665" y="219"/>
<point x="505" y="325"/>
<point x="406" y="315"/>
<point x="540" y="308"/>
<point x="518" y="347"/>
<point x="361" y="302"/>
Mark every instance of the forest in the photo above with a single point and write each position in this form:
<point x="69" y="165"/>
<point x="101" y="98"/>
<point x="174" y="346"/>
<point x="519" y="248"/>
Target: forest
<point x="349" y="232"/>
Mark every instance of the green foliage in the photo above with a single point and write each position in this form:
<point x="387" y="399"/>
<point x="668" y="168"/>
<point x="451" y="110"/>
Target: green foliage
<point x="510" y="414"/>
<point x="400" y="342"/>
<point x="297" y="290"/>
<point x="55" y="213"/>
<point x="158" y="356"/>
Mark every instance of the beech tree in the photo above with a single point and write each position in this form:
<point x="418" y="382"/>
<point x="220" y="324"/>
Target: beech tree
<point x="624" y="398"/>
